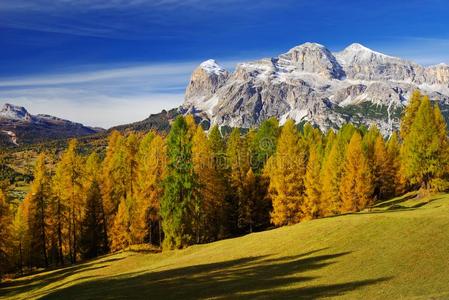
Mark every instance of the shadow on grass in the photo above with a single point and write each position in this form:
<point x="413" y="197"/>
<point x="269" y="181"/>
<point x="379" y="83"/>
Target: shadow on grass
<point x="145" y="251"/>
<point x="245" y="278"/>
<point x="395" y="202"/>
<point x="10" y="289"/>
<point x="399" y="208"/>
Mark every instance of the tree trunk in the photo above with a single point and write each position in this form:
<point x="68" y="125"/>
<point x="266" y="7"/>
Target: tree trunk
<point x="70" y="240"/>
<point x="20" y="258"/>
<point x="44" y="238"/>
<point x="60" y="255"/>
<point x="150" y="231"/>
<point x="74" y="239"/>
<point x="160" y="233"/>
<point x="105" y="232"/>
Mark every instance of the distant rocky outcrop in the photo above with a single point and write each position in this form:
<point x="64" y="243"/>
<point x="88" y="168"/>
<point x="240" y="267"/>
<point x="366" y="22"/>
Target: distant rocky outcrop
<point x="19" y="127"/>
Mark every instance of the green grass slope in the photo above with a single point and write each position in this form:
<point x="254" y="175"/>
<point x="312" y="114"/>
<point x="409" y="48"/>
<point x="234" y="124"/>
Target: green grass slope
<point x="397" y="250"/>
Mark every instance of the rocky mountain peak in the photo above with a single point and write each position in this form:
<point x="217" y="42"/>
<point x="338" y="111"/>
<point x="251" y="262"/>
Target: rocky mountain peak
<point x="206" y="79"/>
<point x="362" y="63"/>
<point x="359" y="48"/>
<point x="18" y="126"/>
<point x="314" y="58"/>
<point x="357" y="53"/>
<point x="212" y="67"/>
<point x="308" y="45"/>
<point x="13" y="112"/>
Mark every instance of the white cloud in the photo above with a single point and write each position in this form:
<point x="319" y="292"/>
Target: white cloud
<point x="105" y="96"/>
<point x="147" y="71"/>
<point x="95" y="109"/>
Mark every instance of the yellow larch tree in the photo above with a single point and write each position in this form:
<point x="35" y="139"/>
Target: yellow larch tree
<point x="395" y="168"/>
<point x="210" y="192"/>
<point x="384" y="174"/>
<point x="110" y="187"/>
<point x="139" y="222"/>
<point x="19" y="230"/>
<point x="70" y="203"/>
<point x="238" y="166"/>
<point x="357" y="183"/>
<point x="38" y="213"/>
<point x="5" y="234"/>
<point x="312" y="207"/>
<point x="330" y="180"/>
<point x="151" y="161"/>
<point x="120" y="233"/>
<point x="409" y="113"/>
<point x="287" y="171"/>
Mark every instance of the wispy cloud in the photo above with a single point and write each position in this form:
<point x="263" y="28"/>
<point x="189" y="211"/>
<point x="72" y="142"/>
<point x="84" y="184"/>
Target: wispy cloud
<point x="140" y="18"/>
<point x="104" y="96"/>
<point x="88" y="5"/>
<point x="96" y="108"/>
<point x="151" y="73"/>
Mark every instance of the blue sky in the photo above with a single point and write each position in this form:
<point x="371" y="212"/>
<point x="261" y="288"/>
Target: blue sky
<point x="109" y="62"/>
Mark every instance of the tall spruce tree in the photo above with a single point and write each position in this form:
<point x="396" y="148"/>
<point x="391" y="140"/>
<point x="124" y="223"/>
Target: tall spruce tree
<point x="219" y="162"/>
<point x="177" y="202"/>
<point x="264" y="144"/>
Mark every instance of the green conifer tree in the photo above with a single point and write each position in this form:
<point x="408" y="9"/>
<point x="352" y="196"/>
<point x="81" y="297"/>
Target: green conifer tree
<point x="176" y="204"/>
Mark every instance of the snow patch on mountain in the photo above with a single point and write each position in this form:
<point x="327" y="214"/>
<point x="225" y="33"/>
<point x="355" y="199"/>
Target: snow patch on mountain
<point x="13" y="112"/>
<point x="212" y="67"/>
<point x="360" y="53"/>
<point x="295" y="115"/>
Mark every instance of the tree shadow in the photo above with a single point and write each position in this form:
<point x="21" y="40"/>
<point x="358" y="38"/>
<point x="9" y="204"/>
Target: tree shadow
<point x="400" y="208"/>
<point x="317" y="291"/>
<point x="145" y="251"/>
<point x="10" y="289"/>
<point x="399" y="200"/>
<point x="246" y="278"/>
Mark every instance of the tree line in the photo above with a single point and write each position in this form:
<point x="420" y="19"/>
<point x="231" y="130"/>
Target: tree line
<point x="193" y="186"/>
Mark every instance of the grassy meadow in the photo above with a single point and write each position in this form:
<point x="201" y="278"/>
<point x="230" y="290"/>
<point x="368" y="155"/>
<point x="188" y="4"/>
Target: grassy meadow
<point x="398" y="249"/>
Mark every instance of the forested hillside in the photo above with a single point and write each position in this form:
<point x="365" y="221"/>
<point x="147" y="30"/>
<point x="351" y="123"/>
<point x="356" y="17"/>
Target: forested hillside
<point x="192" y="187"/>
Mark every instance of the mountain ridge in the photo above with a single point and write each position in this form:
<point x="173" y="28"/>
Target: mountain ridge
<point x="18" y="127"/>
<point x="311" y="83"/>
